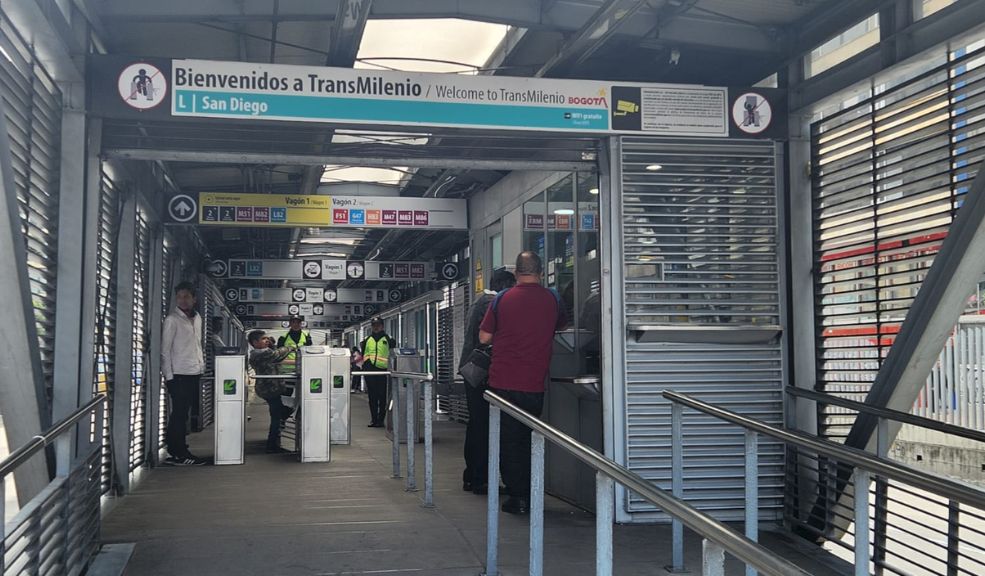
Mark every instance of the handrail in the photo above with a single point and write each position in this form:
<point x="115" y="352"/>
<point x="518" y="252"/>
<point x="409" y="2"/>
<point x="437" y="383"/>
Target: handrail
<point x="22" y="454"/>
<point x="888" y="413"/>
<point x="964" y="493"/>
<point x="736" y="544"/>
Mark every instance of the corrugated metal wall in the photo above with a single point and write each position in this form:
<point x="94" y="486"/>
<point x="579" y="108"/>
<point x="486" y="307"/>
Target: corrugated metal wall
<point x="700" y="231"/>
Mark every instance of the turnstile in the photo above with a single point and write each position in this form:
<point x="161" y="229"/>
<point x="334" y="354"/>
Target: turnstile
<point x="230" y="409"/>
<point x="313" y="391"/>
<point x="323" y="392"/>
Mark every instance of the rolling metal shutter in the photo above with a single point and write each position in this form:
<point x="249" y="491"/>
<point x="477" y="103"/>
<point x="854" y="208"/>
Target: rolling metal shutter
<point x="105" y="328"/>
<point x="888" y="175"/>
<point x="700" y="227"/>
<point x="33" y="111"/>
<point x="141" y="341"/>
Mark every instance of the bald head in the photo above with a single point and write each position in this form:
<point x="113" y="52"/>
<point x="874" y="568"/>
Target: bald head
<point x="528" y="267"/>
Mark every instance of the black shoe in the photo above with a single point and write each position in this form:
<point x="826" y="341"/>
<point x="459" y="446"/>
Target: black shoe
<point x="373" y="425"/>
<point x="480" y="489"/>
<point x="467" y="486"/>
<point x="516" y="505"/>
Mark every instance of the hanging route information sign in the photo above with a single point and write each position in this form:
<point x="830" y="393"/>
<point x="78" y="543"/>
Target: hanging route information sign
<point x="231" y="209"/>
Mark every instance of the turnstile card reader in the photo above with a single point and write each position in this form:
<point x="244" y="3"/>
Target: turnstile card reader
<point x="230" y="409"/>
<point x="314" y="393"/>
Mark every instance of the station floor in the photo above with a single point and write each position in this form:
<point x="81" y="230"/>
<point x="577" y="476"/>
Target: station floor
<point x="275" y="516"/>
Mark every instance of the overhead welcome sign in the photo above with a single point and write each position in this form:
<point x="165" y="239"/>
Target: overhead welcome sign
<point x="232" y="209"/>
<point x="204" y="88"/>
<point x="248" y="92"/>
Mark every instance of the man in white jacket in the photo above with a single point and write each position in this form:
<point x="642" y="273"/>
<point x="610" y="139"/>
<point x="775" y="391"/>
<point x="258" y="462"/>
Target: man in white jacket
<point x="182" y="362"/>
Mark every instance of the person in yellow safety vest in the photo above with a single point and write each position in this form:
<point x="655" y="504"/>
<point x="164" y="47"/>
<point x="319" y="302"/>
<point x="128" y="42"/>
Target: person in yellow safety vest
<point x="295" y="338"/>
<point x="376" y="357"/>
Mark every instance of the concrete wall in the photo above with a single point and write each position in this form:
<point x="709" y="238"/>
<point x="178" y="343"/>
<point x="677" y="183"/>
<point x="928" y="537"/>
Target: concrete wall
<point x="940" y="453"/>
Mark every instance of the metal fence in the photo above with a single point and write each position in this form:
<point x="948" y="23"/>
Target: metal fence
<point x="911" y="522"/>
<point x="717" y="537"/>
<point x="56" y="533"/>
<point x="955" y="390"/>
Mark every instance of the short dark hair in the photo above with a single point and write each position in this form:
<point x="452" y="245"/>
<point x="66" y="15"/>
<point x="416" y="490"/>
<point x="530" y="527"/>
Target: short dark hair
<point x="255" y="335"/>
<point x="501" y="280"/>
<point x="187" y="287"/>
<point x="528" y="262"/>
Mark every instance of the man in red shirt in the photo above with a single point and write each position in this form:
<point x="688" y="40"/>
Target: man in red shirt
<point x="520" y="324"/>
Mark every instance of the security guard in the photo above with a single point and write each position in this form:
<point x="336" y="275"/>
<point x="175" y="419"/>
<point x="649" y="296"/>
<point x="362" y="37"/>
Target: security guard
<point x="295" y="338"/>
<point x="376" y="357"/>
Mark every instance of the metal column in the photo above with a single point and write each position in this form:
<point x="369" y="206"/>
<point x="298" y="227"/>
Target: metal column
<point x="69" y="390"/>
<point x="89" y="288"/>
<point x="121" y="387"/>
<point x="154" y="324"/>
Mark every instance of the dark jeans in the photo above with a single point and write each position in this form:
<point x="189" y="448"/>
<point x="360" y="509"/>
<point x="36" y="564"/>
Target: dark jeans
<point x="184" y="391"/>
<point x="515" y="442"/>
<point x="376" y="387"/>
<point x="277" y="411"/>
<point x="476" y="438"/>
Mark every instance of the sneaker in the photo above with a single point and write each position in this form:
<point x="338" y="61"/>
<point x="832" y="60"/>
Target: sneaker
<point x="184" y="461"/>
<point x="516" y="505"/>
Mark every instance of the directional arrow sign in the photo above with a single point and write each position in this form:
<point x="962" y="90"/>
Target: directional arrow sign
<point x="182" y="208"/>
<point x="217" y="268"/>
<point x="449" y="271"/>
<point x="232" y="294"/>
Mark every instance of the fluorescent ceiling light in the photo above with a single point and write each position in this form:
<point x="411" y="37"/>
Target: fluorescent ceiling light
<point x="654" y="167"/>
<point x="322" y="255"/>
<point x="594" y="191"/>
<point x="443" y="45"/>
<point x="338" y="174"/>
<point x="564" y="211"/>
<point x="370" y="137"/>
<point x="337" y="241"/>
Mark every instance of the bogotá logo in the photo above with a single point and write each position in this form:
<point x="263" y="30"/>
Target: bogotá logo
<point x="142" y="85"/>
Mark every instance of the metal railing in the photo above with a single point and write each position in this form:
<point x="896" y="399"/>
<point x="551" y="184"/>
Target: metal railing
<point x="958" y="528"/>
<point x="848" y="471"/>
<point x="57" y="531"/>
<point x="717" y="537"/>
<point x="410" y="380"/>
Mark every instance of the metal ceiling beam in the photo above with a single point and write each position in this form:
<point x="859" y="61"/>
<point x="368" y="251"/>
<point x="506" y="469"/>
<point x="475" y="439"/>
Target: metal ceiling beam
<point x="566" y="16"/>
<point x="313" y="159"/>
<point x="599" y="28"/>
<point x="347" y="35"/>
<point x="347" y="32"/>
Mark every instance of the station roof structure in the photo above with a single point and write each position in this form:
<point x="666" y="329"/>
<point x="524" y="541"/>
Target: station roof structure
<point x="714" y="42"/>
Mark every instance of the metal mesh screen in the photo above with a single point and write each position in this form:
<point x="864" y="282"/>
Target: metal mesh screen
<point x="888" y="175"/>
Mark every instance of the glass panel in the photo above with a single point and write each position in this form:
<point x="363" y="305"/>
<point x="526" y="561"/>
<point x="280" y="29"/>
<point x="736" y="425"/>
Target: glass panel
<point x="534" y="225"/>
<point x="559" y="267"/>
<point x="497" y="251"/>
<point x="924" y="8"/>
<point x="589" y="267"/>
<point x="852" y="41"/>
